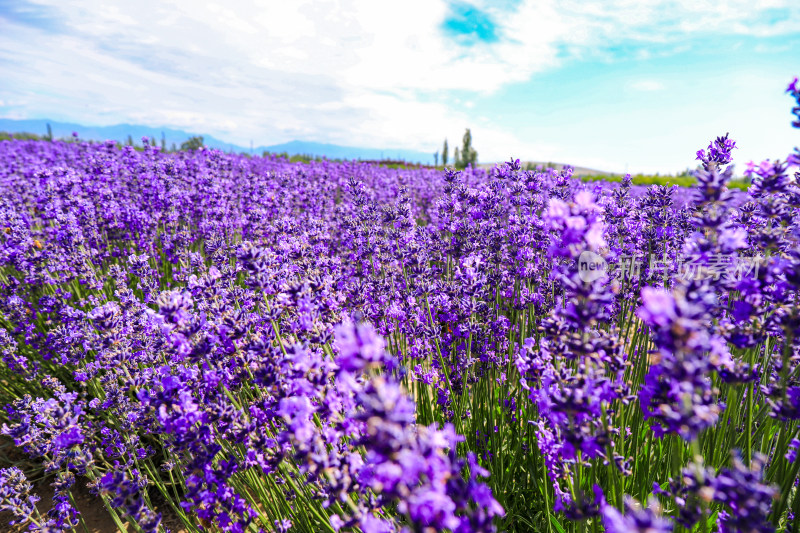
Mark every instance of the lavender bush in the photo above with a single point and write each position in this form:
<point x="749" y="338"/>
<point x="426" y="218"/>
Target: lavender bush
<point x="248" y="344"/>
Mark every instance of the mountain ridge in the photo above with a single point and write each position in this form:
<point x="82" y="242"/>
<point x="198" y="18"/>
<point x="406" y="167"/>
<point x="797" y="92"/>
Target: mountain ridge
<point x="120" y="132"/>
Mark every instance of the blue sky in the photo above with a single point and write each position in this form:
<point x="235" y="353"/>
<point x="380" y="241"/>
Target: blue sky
<point x="615" y="85"/>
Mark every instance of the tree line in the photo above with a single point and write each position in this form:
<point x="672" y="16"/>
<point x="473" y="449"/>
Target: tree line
<point x="466" y="156"/>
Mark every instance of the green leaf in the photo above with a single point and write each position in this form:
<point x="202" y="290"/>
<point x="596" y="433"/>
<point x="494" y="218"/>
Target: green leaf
<point x="556" y="525"/>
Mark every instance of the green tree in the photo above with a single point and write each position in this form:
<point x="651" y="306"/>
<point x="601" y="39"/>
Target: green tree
<point x="163" y="142"/>
<point x="436" y="159"/>
<point x="49" y="132"/>
<point x="194" y="143"/>
<point x="129" y="142"/>
<point x="468" y="154"/>
<point x="456" y="158"/>
<point x="444" y="154"/>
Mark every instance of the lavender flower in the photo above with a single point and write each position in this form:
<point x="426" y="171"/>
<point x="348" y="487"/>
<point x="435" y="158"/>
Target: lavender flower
<point x="15" y="495"/>
<point x="749" y="501"/>
<point x="794" y="91"/>
<point x="291" y="346"/>
<point x="636" y="518"/>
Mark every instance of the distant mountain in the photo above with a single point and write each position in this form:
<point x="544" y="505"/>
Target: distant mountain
<point x="120" y="132"/>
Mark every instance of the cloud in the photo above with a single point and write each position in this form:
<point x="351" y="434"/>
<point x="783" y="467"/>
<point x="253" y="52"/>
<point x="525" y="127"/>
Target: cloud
<point x="352" y="72"/>
<point x="647" y="85"/>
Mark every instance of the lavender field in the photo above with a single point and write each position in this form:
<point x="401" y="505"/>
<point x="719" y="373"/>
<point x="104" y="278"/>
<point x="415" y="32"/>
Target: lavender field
<point x="241" y="343"/>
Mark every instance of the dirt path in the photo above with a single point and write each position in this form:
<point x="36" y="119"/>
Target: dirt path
<point x="93" y="512"/>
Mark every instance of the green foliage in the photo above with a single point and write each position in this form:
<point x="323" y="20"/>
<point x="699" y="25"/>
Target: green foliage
<point x="534" y="166"/>
<point x="193" y="143"/>
<point x="682" y="180"/>
<point x="296" y="158"/>
<point x="392" y="163"/>
<point x="20" y="136"/>
<point x="468" y="155"/>
<point x="444" y="153"/>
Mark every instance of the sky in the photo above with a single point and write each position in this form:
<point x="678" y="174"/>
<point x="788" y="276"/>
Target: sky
<point x="618" y="85"/>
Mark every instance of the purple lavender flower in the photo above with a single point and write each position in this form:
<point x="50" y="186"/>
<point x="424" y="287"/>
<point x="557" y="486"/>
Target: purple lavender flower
<point x="636" y="518"/>
<point x="416" y="468"/>
<point x="15" y="495"/>
<point x="360" y="348"/>
<point x="188" y="307"/>
<point x="125" y="495"/>
<point x="794" y="446"/>
<point x="794" y="91"/>
<point x="677" y="392"/>
<point x="741" y="490"/>
<point x="718" y="154"/>
<point x="10" y="356"/>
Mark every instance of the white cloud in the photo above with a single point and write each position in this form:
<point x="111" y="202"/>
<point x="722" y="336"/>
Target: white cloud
<point x="354" y="72"/>
<point x="647" y="85"/>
